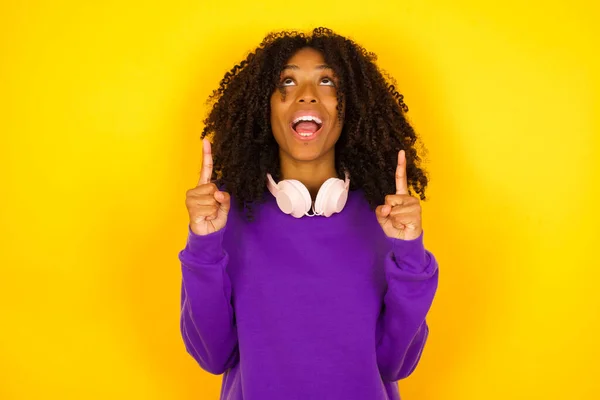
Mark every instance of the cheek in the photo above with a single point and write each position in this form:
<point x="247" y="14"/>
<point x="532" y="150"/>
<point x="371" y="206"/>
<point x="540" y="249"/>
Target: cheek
<point x="330" y="103"/>
<point x="332" y="110"/>
<point x="275" y="110"/>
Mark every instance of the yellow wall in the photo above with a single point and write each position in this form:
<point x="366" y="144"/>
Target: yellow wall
<point x="101" y="108"/>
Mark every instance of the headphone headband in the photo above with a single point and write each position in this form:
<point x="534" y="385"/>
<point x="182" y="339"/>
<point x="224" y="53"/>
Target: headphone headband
<point x="294" y="198"/>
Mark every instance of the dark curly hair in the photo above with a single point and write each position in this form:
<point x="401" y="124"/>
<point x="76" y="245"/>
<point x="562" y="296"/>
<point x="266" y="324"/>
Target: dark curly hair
<point x="374" y="129"/>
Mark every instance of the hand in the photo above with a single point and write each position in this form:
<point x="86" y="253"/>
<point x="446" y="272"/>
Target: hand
<point x="207" y="205"/>
<point x="400" y="216"/>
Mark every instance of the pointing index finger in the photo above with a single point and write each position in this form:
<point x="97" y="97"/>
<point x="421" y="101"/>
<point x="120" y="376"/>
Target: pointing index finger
<point x="207" y="163"/>
<point x="401" y="181"/>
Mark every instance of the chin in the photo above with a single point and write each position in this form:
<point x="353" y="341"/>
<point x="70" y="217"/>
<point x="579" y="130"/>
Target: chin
<point x="299" y="153"/>
<point x="309" y="150"/>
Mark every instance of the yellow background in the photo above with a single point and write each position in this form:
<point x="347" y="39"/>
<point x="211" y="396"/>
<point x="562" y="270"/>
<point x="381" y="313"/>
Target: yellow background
<point x="101" y="109"/>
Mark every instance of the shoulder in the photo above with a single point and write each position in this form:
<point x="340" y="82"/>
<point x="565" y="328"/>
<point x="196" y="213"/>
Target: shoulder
<point x="241" y="214"/>
<point x="358" y="202"/>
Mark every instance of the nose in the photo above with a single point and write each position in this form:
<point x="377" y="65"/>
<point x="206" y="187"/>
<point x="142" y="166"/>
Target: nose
<point x="307" y="95"/>
<point x="307" y="99"/>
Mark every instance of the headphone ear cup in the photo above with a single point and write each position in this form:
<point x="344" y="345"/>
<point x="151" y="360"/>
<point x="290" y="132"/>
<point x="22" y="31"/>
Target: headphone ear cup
<point x="293" y="198"/>
<point x="332" y="197"/>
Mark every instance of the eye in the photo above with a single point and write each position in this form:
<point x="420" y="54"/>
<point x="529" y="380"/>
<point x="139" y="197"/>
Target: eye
<point x="327" y="82"/>
<point x="287" y="82"/>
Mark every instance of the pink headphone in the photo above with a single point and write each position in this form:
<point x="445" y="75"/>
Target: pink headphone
<point x="293" y="197"/>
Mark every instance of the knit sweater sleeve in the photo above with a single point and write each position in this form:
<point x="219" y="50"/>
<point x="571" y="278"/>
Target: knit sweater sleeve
<point x="412" y="278"/>
<point x="207" y="319"/>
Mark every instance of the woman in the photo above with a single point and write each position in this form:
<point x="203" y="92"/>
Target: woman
<point x="305" y="275"/>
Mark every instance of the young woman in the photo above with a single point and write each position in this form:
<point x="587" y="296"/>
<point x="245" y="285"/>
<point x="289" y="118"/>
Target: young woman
<point x="305" y="275"/>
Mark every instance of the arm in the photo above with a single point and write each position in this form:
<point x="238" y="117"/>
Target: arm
<point x="412" y="276"/>
<point x="207" y="317"/>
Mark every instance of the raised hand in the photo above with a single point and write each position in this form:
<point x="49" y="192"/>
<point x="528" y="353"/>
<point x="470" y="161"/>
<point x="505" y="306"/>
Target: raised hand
<point x="400" y="216"/>
<point x="206" y="204"/>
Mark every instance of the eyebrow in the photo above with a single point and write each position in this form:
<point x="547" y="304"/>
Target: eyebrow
<point x="295" y="67"/>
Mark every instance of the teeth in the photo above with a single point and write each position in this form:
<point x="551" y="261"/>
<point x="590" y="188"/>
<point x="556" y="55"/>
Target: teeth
<point x="305" y="134"/>
<point x="307" y="118"/>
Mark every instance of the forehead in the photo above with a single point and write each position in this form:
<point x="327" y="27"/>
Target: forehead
<point x="306" y="58"/>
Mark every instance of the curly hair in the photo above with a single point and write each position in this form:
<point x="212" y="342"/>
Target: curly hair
<point x="374" y="131"/>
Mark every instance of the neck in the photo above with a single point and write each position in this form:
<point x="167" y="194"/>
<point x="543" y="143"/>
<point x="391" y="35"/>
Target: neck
<point x="312" y="174"/>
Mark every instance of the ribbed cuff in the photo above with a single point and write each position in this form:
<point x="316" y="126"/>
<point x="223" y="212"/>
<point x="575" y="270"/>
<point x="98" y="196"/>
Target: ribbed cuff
<point x="410" y="255"/>
<point x="207" y="249"/>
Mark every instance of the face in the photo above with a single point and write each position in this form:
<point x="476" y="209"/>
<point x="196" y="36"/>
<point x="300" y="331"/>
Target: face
<point x="305" y="121"/>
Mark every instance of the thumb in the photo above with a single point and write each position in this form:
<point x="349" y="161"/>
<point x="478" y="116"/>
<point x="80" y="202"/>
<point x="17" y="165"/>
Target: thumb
<point x="382" y="212"/>
<point x="224" y="200"/>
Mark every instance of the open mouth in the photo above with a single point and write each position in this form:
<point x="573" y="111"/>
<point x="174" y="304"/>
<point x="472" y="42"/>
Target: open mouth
<point x="307" y="125"/>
